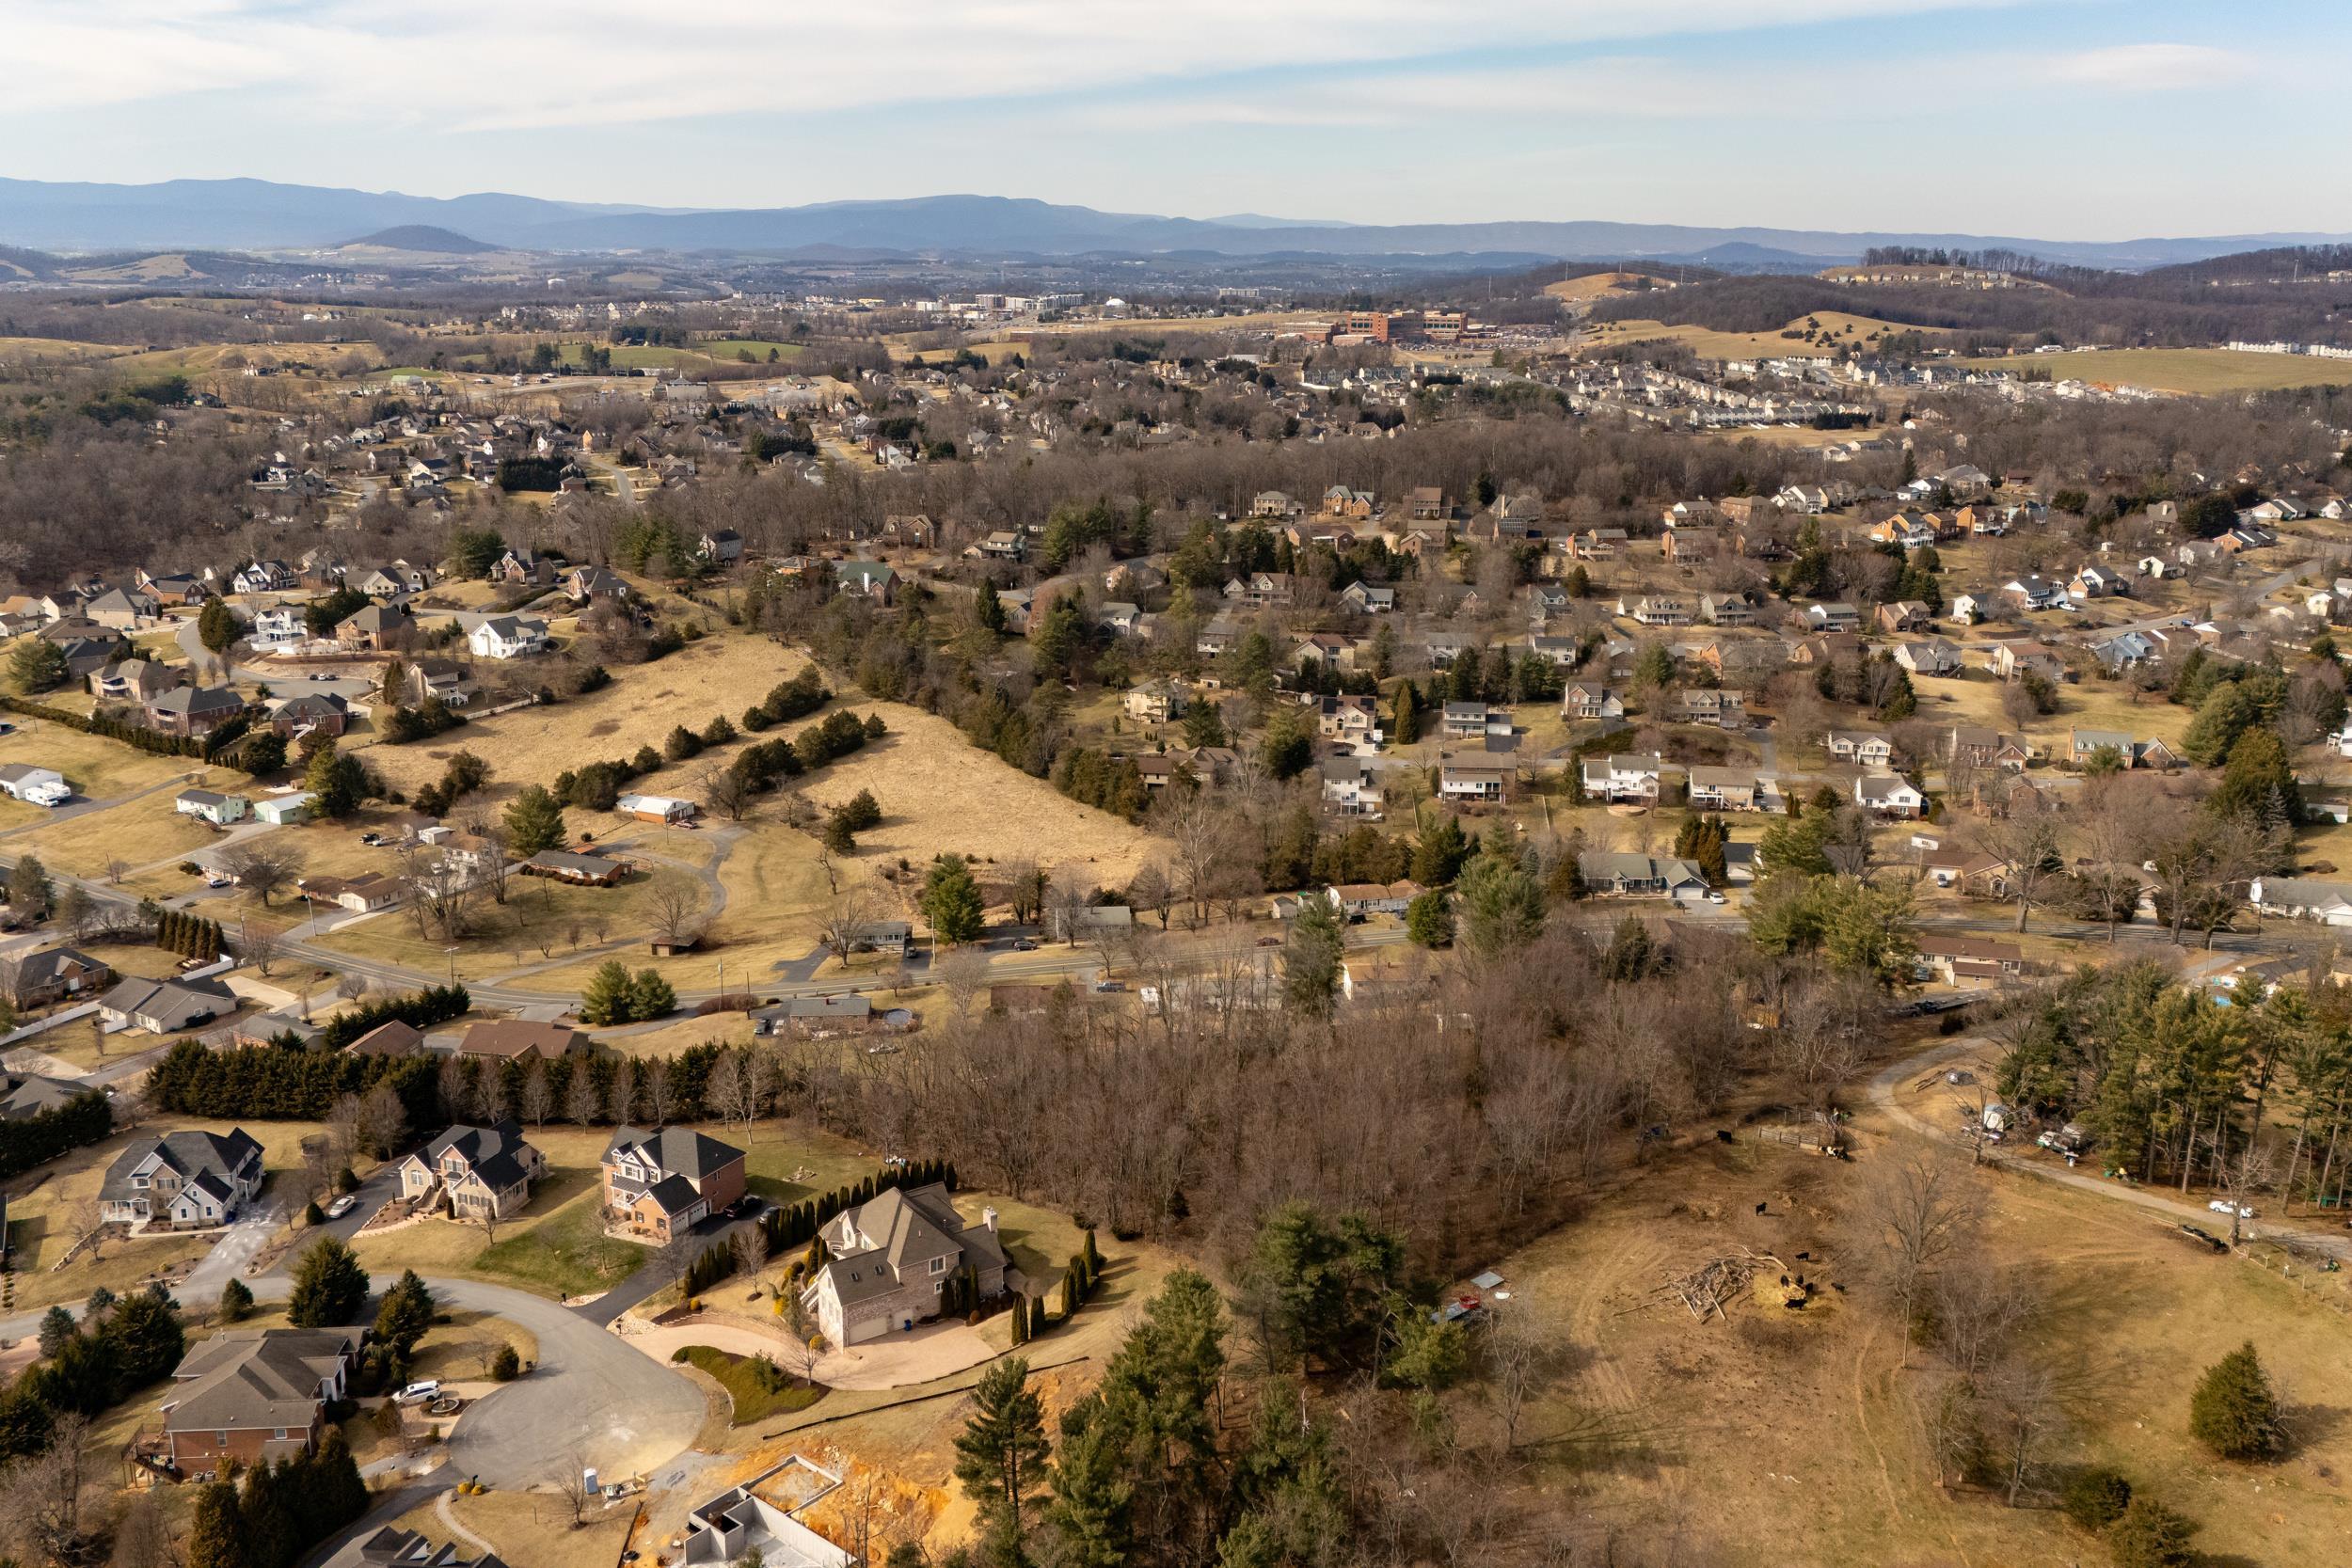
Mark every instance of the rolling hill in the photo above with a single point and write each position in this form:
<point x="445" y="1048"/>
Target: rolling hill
<point x="423" y="238"/>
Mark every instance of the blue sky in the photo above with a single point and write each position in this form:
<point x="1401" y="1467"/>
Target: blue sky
<point x="2053" y="118"/>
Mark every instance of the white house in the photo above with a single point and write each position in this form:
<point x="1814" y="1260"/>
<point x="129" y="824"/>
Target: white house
<point x="2304" y="898"/>
<point x="508" y="636"/>
<point x="1888" y="794"/>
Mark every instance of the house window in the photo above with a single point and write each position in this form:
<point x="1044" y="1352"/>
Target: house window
<point x="281" y="1434"/>
<point x="939" y="1265"/>
<point x="938" y="1287"/>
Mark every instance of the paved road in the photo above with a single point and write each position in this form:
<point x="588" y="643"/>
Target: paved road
<point x="229" y="1254"/>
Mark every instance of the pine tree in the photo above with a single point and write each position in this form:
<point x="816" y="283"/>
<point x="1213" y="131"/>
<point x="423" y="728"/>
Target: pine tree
<point x="1037" y="1316"/>
<point x="267" y="1514"/>
<point x="1091" y="1490"/>
<point x="236" y="1301"/>
<point x="534" y="821"/>
<point x="335" y="1494"/>
<point x="610" y="994"/>
<point x="1310" y="961"/>
<point x="215" y="1536"/>
<point x="650" y="995"/>
<point x="1407" y="714"/>
<point x="987" y="609"/>
<point x="2234" y="1411"/>
<point x="1001" y="1453"/>
<point x="216" y="625"/>
<point x="330" y="1285"/>
<point x="951" y="901"/>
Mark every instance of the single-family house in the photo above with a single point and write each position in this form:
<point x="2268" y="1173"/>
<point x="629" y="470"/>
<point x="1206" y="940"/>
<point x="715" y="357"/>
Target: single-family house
<point x="1632" y="875"/>
<point x="582" y="584"/>
<point x="1710" y="706"/>
<point x="661" y="1184"/>
<point x="1367" y="598"/>
<point x="39" y="979"/>
<point x="1585" y="700"/>
<point x="253" y="1396"/>
<point x="480" y="1172"/>
<point x="815" y="1018"/>
<point x="212" y="806"/>
<point x="183" y="1181"/>
<point x="1952" y="958"/>
<point x="1836" y="615"/>
<point x="514" y="1039"/>
<point x="1475" y="780"/>
<point x="754" y="1522"/>
<point x="866" y="579"/>
<point x="1624" y="778"/>
<point x="2082" y="745"/>
<point x="35" y="786"/>
<point x="192" y="710"/>
<point x="1862" y="747"/>
<point x="507" y="637"/>
<point x="564" y="865"/>
<point x="893" y="1257"/>
<point x="656" y="808"/>
<point x="165" y="1006"/>
<point x="1732" y="789"/>
<point x="1931" y="655"/>
<point x="1888" y="795"/>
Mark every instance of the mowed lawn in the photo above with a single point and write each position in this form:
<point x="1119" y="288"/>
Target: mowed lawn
<point x="97" y="768"/>
<point x="2198" y="372"/>
<point x="557" y="1247"/>
<point x="52" y="1206"/>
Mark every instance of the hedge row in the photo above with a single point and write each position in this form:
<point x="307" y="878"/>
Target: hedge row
<point x="419" y="1010"/>
<point x="45" y="1134"/>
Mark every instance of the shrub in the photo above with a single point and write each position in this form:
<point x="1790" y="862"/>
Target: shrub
<point x="2149" y="1535"/>
<point x="506" y="1366"/>
<point x="2096" y="1498"/>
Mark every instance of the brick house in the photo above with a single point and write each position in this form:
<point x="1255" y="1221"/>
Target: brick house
<point x="662" y="1183"/>
<point x="254" y="1395"/>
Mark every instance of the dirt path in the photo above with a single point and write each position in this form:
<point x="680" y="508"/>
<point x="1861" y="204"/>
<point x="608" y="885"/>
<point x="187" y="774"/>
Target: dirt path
<point x="1887" y="1091"/>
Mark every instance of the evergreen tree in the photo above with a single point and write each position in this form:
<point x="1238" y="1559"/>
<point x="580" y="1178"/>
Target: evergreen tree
<point x="1204" y="725"/>
<point x="951" y="901"/>
<point x="1429" y="919"/>
<point x="1310" y="960"/>
<point x="334" y="1493"/>
<point x="1501" y="909"/>
<point x="608" y="996"/>
<point x="2149" y="1535"/>
<point x="1407" y="714"/>
<point x="149" y="1340"/>
<point x="215" y="1535"/>
<point x="2234" y="1411"/>
<point x="330" y="1285"/>
<point x="37" y="665"/>
<point x="1438" y="856"/>
<point x="335" y="782"/>
<point x="1001" y="1455"/>
<point x="404" y="1314"/>
<point x="236" y="1301"/>
<point x="650" y="995"/>
<point x="216" y="625"/>
<point x="269" y="1516"/>
<point x="987" y="609"/>
<point x="1089" y="1512"/>
<point x="56" y="1327"/>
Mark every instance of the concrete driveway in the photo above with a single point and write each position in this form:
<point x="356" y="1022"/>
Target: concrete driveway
<point x="895" y="1361"/>
<point x="229" y="1254"/>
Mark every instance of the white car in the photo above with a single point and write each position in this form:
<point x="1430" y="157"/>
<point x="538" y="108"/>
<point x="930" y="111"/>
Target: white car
<point x="418" y="1393"/>
<point x="2223" y="1206"/>
<point x="1714" y="898"/>
<point x="340" y="1206"/>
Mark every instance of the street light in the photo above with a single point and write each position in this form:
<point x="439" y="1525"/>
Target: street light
<point x="452" y="964"/>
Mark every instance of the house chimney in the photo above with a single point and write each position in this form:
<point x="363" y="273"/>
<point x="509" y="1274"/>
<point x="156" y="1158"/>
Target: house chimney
<point x="988" y="1218"/>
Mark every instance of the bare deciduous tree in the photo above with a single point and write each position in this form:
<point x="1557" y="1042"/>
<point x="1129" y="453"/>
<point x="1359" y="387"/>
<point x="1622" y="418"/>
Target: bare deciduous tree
<point x="674" y="910"/>
<point x="1915" y="1211"/>
<point x="538" y="1098"/>
<point x="261" y="867"/>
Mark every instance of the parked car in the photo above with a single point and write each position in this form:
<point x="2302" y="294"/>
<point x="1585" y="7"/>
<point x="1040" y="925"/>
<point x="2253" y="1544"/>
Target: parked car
<point x="1023" y="945"/>
<point x="341" y="1206"/>
<point x="2223" y="1206"/>
<point x="418" y="1393"/>
<point x="1714" y="898"/>
<point x="217" y="879"/>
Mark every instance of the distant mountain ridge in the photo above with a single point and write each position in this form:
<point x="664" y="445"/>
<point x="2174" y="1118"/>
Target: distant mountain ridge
<point x="424" y="238"/>
<point x="265" y="215"/>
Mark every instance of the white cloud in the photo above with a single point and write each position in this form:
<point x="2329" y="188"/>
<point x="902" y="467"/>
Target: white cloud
<point x="2151" y="67"/>
<point x="504" y="64"/>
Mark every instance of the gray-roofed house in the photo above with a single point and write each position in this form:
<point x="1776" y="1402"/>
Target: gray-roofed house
<point x="25" y="1095"/>
<point x="815" y="1018"/>
<point x="38" y="979"/>
<point x="254" y="1395"/>
<point x="755" y="1522"/>
<point x="193" y="710"/>
<point x="662" y="1183"/>
<point x="891" y="1259"/>
<point x="183" y="1181"/>
<point x="483" y="1172"/>
<point x="212" y="806"/>
<point x="165" y="1006"/>
<point x="1636" y="875"/>
<point x="394" y="1547"/>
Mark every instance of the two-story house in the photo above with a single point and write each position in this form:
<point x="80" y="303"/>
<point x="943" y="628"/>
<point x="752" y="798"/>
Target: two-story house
<point x="482" y="1172"/>
<point x="507" y="637"/>
<point x="184" y="1180"/>
<point x="661" y="1184"/>
<point x="891" y="1259"/>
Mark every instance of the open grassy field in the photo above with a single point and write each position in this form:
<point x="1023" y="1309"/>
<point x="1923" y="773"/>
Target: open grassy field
<point x="1597" y="285"/>
<point x="2092" y="704"/>
<point x="97" y="768"/>
<point x="1844" y="330"/>
<point x="541" y="919"/>
<point x="2198" y="371"/>
<point x="140" y="833"/>
<point x="701" y="680"/>
<point x="1778" y="1435"/>
<point x="54" y="1205"/>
